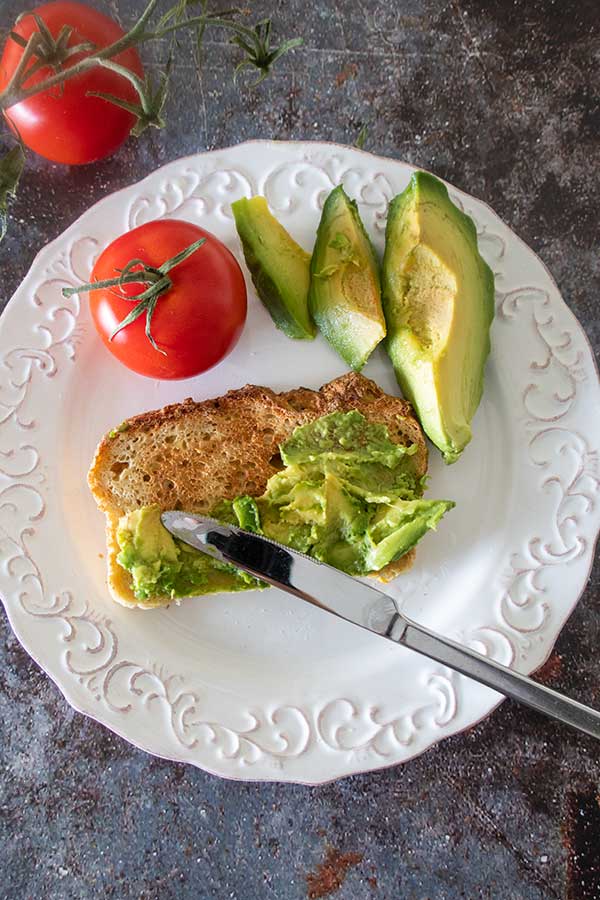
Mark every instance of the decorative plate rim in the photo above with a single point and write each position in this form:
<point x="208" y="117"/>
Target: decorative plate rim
<point x="66" y="688"/>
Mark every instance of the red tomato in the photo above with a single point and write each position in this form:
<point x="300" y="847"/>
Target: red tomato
<point x="196" y="323"/>
<point x="64" y="124"/>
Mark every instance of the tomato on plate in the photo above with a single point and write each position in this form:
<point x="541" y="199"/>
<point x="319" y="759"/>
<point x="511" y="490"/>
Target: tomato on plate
<point x="194" y="324"/>
<point x="64" y="124"/>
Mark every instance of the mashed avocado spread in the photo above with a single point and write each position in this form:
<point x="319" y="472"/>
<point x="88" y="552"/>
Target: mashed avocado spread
<point x="347" y="495"/>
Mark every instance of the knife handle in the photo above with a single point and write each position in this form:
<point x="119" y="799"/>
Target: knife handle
<point x="494" y="675"/>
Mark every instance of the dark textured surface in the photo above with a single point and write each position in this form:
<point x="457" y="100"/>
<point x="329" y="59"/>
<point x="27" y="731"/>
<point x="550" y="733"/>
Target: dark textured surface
<point x="502" y="100"/>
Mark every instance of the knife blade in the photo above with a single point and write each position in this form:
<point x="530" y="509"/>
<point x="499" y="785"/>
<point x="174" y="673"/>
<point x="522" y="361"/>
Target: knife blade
<point x="347" y="598"/>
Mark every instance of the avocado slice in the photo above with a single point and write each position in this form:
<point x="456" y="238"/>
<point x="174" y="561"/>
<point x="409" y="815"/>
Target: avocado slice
<point x="438" y="299"/>
<point x="280" y="268"/>
<point x="345" y="290"/>
<point x="398" y="528"/>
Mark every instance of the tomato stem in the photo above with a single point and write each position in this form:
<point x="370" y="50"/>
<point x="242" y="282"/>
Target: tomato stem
<point x="28" y="52"/>
<point x="43" y="51"/>
<point x="156" y="279"/>
<point x="255" y="42"/>
<point x="148" y="110"/>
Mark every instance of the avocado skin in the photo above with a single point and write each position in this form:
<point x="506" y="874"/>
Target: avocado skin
<point x="283" y="292"/>
<point x="450" y="437"/>
<point x="348" y="337"/>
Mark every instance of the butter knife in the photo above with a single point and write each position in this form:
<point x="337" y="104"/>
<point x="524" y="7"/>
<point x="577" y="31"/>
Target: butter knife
<point x="347" y="598"/>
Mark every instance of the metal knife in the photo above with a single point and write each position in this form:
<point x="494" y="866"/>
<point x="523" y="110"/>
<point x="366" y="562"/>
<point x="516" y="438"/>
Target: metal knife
<point x="345" y="597"/>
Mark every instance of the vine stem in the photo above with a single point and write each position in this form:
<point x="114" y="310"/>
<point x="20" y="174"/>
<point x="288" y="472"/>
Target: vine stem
<point x="247" y="38"/>
<point x="199" y="20"/>
<point x="28" y="52"/>
<point x="11" y="95"/>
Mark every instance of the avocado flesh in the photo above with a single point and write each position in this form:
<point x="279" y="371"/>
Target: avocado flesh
<point x="345" y="290"/>
<point x="162" y="566"/>
<point x="438" y="299"/>
<point x="279" y="267"/>
<point x="348" y="496"/>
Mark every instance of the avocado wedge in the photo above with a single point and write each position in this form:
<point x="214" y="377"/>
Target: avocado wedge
<point x="345" y="291"/>
<point x="280" y="268"/>
<point x="438" y="299"/>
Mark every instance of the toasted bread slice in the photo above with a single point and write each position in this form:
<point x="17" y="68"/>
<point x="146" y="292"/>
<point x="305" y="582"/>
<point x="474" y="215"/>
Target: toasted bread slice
<point x="190" y="455"/>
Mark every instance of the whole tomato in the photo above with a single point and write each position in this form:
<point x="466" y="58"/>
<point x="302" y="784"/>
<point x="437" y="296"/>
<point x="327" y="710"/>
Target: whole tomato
<point x="65" y="124"/>
<point x="194" y="324"/>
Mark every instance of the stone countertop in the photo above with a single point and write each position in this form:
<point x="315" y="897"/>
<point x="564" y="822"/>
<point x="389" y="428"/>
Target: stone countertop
<point x="502" y="100"/>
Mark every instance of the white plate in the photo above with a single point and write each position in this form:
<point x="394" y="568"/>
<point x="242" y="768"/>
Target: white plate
<point x="261" y="686"/>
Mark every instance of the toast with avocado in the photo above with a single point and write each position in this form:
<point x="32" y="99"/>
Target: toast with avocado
<point x="338" y="473"/>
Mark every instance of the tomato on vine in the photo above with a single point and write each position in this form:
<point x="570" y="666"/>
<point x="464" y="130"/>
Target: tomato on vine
<point x="66" y="124"/>
<point x="168" y="299"/>
<point x="72" y="85"/>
